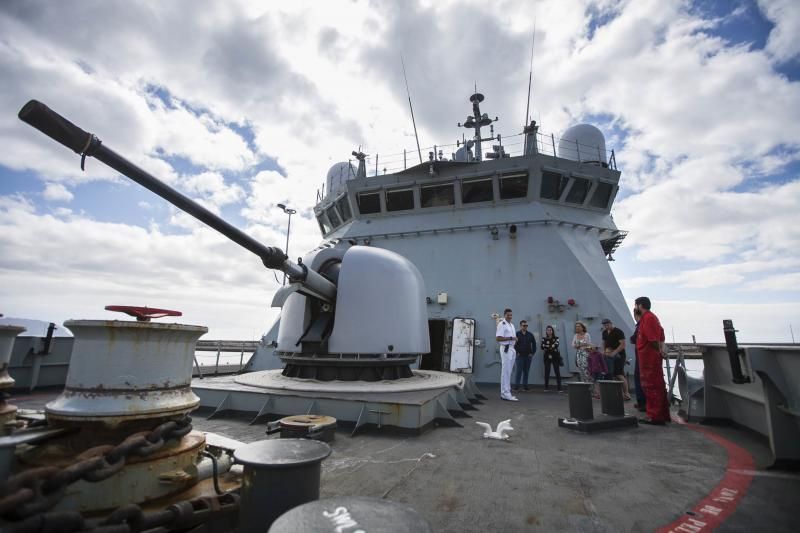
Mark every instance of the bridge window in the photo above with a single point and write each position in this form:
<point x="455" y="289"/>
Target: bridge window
<point x="333" y="217"/>
<point x="513" y="186"/>
<point x="324" y="225"/>
<point x="344" y="208"/>
<point x="479" y="190"/>
<point x="601" y="195"/>
<point x="553" y="185"/>
<point x="369" y="203"/>
<point x="437" y="195"/>
<point x="400" y="200"/>
<point x="577" y="194"/>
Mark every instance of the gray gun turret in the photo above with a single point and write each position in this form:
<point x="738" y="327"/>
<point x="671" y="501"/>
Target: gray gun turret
<point x="340" y="299"/>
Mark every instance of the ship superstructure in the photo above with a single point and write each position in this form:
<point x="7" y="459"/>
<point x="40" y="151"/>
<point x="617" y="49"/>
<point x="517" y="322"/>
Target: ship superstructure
<point x="531" y="232"/>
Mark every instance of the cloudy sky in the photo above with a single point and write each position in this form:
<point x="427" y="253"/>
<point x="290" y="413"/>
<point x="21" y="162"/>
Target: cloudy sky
<point x="244" y="104"/>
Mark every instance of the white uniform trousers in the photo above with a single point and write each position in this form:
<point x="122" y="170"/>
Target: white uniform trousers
<point x="507" y="366"/>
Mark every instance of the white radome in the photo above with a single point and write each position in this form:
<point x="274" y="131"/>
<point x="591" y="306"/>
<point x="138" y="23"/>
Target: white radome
<point x="337" y="175"/>
<point x="583" y="142"/>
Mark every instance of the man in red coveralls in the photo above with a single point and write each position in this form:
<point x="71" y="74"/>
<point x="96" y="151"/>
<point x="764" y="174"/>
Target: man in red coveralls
<point x="648" y="350"/>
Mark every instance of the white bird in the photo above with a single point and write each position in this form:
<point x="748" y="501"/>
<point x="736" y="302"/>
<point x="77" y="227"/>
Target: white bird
<point x="499" y="433"/>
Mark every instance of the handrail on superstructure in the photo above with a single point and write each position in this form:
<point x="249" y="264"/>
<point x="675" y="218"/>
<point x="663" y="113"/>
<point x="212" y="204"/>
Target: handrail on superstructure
<point x="545" y="143"/>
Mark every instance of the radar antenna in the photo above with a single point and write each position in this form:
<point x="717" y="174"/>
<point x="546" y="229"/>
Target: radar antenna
<point x="411" y="108"/>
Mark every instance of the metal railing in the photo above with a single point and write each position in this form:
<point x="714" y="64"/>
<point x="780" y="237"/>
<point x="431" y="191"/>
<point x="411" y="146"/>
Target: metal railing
<point x="546" y="144"/>
<point x="224" y="346"/>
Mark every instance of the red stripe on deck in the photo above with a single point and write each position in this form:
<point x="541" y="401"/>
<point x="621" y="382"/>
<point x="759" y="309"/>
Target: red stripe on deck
<point x="710" y="512"/>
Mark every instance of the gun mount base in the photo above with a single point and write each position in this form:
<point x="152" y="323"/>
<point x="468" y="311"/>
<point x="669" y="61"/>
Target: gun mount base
<point x="413" y="404"/>
<point x="363" y="368"/>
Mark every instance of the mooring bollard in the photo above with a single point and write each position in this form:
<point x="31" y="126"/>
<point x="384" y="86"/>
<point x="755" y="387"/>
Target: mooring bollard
<point x="611" y="402"/>
<point x="8" y="412"/>
<point x="279" y="474"/>
<point x="8" y="334"/>
<point x="580" y="400"/>
<point x="351" y="514"/>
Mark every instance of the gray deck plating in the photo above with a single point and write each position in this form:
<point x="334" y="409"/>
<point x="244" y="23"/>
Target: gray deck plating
<point x="545" y="478"/>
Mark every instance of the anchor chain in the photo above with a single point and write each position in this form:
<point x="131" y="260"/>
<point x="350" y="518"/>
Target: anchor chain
<point x="132" y="519"/>
<point x="38" y="489"/>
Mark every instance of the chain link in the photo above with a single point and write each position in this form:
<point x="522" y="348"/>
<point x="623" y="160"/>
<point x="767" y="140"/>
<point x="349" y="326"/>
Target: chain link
<point x="132" y="519"/>
<point x="38" y="489"/>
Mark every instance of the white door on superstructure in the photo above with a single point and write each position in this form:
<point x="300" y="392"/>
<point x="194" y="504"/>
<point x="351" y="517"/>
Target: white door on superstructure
<point x="462" y="346"/>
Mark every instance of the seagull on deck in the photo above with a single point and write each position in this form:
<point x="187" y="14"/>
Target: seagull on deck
<point x="499" y="433"/>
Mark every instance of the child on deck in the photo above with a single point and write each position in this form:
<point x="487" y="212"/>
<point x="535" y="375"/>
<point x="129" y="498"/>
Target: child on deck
<point x="596" y="364"/>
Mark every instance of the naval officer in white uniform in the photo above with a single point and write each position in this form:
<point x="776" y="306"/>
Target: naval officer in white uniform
<point x="506" y="337"/>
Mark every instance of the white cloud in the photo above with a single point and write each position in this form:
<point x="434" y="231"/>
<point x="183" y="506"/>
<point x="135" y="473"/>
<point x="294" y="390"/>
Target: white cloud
<point x="55" y="192"/>
<point x="673" y="220"/>
<point x="782" y="42"/>
<point x="703" y="127"/>
<point x="778" y="282"/>
<point x="201" y="273"/>
<point x="201" y="138"/>
<point x="762" y="322"/>
<point x="729" y="274"/>
<point x="212" y="186"/>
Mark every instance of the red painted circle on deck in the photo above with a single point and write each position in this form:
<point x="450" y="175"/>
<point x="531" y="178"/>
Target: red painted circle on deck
<point x="721" y="502"/>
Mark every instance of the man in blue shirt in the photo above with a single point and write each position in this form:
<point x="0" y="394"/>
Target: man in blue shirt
<point x="525" y="348"/>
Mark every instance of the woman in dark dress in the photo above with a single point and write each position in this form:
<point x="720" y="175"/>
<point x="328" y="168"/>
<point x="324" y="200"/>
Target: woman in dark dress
<point x="552" y="357"/>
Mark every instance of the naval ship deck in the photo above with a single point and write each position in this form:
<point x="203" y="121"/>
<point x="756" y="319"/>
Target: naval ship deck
<point x="552" y="479"/>
<point x="680" y="477"/>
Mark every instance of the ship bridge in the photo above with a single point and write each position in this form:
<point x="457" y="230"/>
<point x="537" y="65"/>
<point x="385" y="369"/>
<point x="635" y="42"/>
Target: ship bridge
<point x="522" y="221"/>
<point x="455" y="195"/>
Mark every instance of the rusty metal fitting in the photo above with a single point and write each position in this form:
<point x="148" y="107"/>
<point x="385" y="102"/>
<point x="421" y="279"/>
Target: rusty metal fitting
<point x="125" y="371"/>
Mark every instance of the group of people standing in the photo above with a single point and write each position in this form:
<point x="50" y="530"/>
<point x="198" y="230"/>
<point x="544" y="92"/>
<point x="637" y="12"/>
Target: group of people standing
<point x="517" y="349"/>
<point x="594" y="362"/>
<point x="601" y="362"/>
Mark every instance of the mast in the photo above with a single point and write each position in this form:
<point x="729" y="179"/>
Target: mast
<point x="476" y="121"/>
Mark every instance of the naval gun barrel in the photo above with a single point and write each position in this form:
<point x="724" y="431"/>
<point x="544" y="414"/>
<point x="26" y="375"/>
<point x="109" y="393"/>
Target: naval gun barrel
<point x="86" y="144"/>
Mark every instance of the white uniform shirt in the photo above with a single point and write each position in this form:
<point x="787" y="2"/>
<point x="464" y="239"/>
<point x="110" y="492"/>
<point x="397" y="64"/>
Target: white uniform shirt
<point x="504" y="329"/>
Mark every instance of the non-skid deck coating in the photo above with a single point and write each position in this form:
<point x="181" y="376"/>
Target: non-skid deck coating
<point x="545" y="478"/>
